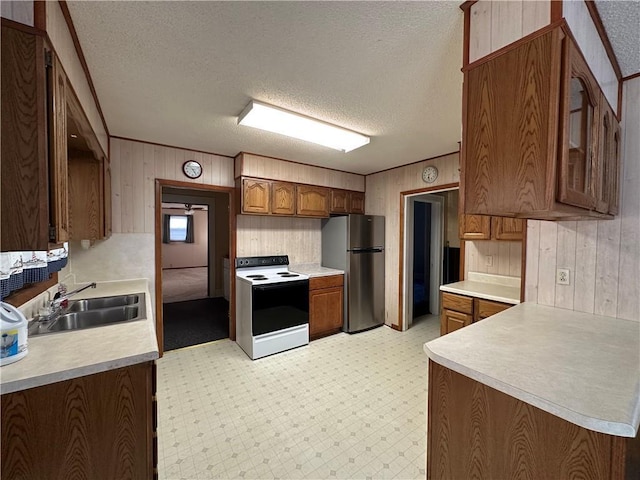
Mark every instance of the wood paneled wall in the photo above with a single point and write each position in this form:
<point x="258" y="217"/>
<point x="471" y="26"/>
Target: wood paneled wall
<point x="300" y="238"/>
<point x="18" y="11"/>
<point x="383" y="198"/>
<point x="134" y="168"/>
<point x="63" y="44"/>
<point x="495" y="24"/>
<point x="603" y="256"/>
<point x="507" y="257"/>
<point x="581" y="24"/>
<point x="251" y="165"/>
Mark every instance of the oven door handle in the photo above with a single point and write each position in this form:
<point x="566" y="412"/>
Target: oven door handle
<point x="274" y="286"/>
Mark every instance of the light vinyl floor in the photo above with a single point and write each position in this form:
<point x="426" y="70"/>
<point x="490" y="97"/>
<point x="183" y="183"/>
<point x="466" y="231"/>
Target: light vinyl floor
<point x="343" y="407"/>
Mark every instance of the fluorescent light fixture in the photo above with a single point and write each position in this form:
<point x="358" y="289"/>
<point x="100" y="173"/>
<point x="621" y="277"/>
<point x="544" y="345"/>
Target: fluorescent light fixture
<point x="277" y="120"/>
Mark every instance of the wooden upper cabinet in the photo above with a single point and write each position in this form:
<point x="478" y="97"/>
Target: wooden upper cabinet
<point x="505" y="228"/>
<point x="256" y="196"/>
<point x="532" y="135"/>
<point x="24" y="170"/>
<point x="356" y="202"/>
<point x="106" y="188"/>
<point x="474" y="227"/>
<point x="86" y="197"/>
<point x="608" y="165"/>
<point x="312" y="201"/>
<point x="339" y="201"/>
<point x="58" y="161"/>
<point x="283" y="198"/>
<point x="581" y="115"/>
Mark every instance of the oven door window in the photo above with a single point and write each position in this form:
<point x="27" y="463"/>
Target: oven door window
<point x="280" y="305"/>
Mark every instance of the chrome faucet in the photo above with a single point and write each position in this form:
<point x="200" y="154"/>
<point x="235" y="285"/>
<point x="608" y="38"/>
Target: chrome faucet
<point x="58" y="299"/>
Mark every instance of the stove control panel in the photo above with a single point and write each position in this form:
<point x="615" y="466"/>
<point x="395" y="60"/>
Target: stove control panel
<point x="247" y="262"/>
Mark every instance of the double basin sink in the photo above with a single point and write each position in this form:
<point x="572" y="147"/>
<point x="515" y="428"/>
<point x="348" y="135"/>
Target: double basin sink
<point x="93" y="312"/>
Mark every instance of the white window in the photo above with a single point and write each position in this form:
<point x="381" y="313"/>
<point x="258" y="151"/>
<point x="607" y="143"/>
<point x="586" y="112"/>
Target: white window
<point x="178" y="228"/>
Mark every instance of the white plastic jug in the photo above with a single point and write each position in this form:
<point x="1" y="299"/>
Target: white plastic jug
<point x="13" y="334"/>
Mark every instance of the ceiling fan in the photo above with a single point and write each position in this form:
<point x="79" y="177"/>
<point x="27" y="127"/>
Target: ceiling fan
<point x="190" y="209"/>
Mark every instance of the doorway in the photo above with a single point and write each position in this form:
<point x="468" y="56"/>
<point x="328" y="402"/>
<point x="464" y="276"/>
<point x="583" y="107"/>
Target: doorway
<point x="430" y="230"/>
<point x="194" y="237"/>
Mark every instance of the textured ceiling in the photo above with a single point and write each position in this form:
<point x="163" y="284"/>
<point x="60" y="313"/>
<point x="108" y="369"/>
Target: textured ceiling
<point x="179" y="73"/>
<point x="621" y="20"/>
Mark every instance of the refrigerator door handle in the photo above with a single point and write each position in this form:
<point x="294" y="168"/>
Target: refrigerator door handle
<point x="367" y="250"/>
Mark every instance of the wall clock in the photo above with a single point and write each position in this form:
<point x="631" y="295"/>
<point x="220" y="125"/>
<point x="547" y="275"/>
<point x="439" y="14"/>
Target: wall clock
<point x="192" y="169"/>
<point x="430" y="174"/>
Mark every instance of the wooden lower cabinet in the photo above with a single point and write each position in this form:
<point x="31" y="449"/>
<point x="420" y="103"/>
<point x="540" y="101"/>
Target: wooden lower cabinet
<point x="475" y="431"/>
<point x="460" y="310"/>
<point x="326" y="297"/>
<point x="99" y="426"/>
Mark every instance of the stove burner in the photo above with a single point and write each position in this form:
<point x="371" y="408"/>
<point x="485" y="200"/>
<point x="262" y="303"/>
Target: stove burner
<point x="289" y="275"/>
<point x="283" y="273"/>
<point x="257" y="277"/>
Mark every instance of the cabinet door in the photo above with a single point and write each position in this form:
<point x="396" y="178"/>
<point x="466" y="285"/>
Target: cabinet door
<point x="580" y="108"/>
<point x="283" y="198"/>
<point x="58" y="162"/>
<point x="505" y="228"/>
<point x="85" y="197"/>
<point x="255" y="196"/>
<point x="608" y="161"/>
<point x="24" y="194"/>
<point x="356" y="202"/>
<point x="339" y="201"/>
<point x="312" y="201"/>
<point x="485" y="308"/>
<point x="474" y="227"/>
<point x="451" y="321"/>
<point x="107" y="417"/>
<point x="325" y="311"/>
<point x="108" y="222"/>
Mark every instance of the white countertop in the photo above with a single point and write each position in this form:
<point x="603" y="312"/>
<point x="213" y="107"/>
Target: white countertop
<point x="581" y="367"/>
<point x="315" y="270"/>
<point x="62" y="356"/>
<point x="498" y="288"/>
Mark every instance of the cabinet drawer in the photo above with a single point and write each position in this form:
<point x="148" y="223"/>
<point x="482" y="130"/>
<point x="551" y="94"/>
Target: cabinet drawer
<point x="486" y="308"/>
<point x="316" y="283"/>
<point x="459" y="303"/>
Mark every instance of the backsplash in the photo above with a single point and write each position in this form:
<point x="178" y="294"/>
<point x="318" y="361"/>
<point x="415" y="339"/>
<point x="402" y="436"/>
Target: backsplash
<point x="506" y="257"/>
<point x="300" y="238"/>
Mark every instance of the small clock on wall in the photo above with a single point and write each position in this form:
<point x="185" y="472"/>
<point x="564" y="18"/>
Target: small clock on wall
<point x="192" y="169"/>
<point x="430" y="174"/>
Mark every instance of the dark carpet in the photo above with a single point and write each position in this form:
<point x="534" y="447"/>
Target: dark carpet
<point x="194" y="322"/>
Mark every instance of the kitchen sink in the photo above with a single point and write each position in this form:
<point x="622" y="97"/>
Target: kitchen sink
<point x="102" y="302"/>
<point x="93" y="312"/>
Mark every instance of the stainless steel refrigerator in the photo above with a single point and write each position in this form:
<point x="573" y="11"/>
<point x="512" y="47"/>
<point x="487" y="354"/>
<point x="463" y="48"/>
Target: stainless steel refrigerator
<point x="355" y="244"/>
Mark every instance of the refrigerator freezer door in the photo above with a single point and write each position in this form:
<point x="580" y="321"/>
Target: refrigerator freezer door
<point x="365" y="231"/>
<point x="366" y="291"/>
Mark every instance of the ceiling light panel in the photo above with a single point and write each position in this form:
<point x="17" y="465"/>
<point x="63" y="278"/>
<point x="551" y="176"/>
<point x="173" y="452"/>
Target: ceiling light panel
<point x="277" y="120"/>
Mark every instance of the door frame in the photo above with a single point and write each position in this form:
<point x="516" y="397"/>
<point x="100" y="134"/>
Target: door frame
<point x="435" y="249"/>
<point x="402" y="244"/>
<point x="160" y="182"/>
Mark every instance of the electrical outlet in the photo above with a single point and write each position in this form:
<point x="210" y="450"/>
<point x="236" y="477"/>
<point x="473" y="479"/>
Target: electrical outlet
<point x="562" y="276"/>
<point x="489" y="261"/>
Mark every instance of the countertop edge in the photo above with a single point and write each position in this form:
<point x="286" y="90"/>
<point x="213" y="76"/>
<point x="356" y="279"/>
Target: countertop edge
<point x="50" y="378"/>
<point x="598" y="425"/>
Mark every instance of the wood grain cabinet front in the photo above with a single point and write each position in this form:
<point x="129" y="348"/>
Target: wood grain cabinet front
<point x="256" y="196"/>
<point x="460" y="310"/>
<point x="356" y="202"/>
<point x="325" y="305"/>
<point x="283" y="198"/>
<point x="339" y="201"/>
<point x="99" y="426"/>
<point x="24" y="167"/>
<point x="485" y="227"/>
<point x="312" y="201"/>
<point x="533" y="134"/>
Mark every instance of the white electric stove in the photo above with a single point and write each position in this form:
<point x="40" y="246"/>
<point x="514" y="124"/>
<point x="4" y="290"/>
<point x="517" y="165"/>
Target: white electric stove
<point x="272" y="306"/>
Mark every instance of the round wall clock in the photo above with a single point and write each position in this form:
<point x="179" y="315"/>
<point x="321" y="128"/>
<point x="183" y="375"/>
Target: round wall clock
<point x="192" y="169"/>
<point x="430" y="174"/>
